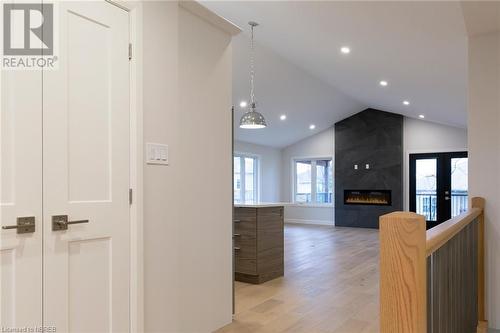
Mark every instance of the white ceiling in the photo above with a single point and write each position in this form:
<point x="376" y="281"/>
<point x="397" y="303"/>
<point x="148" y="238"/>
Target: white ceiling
<point x="420" y="48"/>
<point x="283" y="88"/>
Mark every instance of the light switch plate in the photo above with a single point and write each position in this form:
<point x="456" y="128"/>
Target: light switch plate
<point x="156" y="153"/>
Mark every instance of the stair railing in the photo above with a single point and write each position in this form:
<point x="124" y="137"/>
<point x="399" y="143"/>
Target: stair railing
<point x="432" y="281"/>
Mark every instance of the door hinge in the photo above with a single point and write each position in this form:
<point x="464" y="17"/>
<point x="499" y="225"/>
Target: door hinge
<point x="130" y="51"/>
<point x="130" y="196"/>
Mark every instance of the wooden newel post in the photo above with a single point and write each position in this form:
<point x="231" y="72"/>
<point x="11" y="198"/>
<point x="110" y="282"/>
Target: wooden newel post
<point x="478" y="202"/>
<point x="403" y="275"/>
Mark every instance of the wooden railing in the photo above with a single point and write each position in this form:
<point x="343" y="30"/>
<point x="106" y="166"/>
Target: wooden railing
<point x="432" y="281"/>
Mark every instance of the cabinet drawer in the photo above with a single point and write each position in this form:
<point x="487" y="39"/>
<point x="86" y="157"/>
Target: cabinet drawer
<point x="248" y="228"/>
<point x="245" y="266"/>
<point x="245" y="246"/>
<point x="245" y="213"/>
<point x="245" y="221"/>
<point x="270" y="212"/>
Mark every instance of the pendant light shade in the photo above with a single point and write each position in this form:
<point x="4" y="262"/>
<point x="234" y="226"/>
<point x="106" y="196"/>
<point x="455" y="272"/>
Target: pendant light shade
<point x="252" y="119"/>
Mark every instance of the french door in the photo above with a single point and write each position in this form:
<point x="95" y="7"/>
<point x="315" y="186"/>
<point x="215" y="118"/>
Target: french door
<point x="439" y="185"/>
<point x="64" y="243"/>
<point x="20" y="199"/>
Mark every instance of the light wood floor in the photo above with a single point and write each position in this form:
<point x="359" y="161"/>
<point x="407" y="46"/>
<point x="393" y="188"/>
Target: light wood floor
<point x="330" y="285"/>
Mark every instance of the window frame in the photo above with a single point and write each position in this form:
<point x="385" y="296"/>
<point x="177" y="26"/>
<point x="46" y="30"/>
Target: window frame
<point x="256" y="170"/>
<point x="313" y="160"/>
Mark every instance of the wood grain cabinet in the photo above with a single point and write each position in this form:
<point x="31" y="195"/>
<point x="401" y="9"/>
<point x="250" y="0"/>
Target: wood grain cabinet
<point x="258" y="243"/>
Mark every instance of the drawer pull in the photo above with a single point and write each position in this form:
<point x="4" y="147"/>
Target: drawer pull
<point x="237" y="235"/>
<point x="236" y="221"/>
<point x="237" y="248"/>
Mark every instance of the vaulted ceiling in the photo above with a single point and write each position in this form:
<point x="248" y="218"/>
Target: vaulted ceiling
<point x="418" y="47"/>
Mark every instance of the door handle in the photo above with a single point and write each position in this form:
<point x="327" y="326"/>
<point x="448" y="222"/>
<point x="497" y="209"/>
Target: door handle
<point x="447" y="198"/>
<point x="60" y="222"/>
<point x="24" y="225"/>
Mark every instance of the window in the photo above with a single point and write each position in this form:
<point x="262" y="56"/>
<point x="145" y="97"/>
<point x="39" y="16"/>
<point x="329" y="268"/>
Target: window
<point x="245" y="178"/>
<point x="313" y="181"/>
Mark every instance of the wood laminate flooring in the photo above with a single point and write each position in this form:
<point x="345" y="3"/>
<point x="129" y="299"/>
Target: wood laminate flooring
<point x="331" y="284"/>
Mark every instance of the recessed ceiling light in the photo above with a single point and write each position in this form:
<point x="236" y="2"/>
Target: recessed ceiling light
<point x="406" y="102"/>
<point x="345" y="50"/>
<point x="383" y="83"/>
<point x="243" y="104"/>
<point x="421" y="116"/>
<point x="283" y="117"/>
<point x="312" y="126"/>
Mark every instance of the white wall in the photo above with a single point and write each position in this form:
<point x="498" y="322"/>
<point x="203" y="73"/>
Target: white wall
<point x="425" y="137"/>
<point x="484" y="153"/>
<point x="318" y="145"/>
<point x="206" y="212"/>
<point x="187" y="217"/>
<point x="269" y="169"/>
<point x="161" y="124"/>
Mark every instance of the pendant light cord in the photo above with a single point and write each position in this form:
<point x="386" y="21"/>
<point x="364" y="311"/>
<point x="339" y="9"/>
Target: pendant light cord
<point x="252" y="71"/>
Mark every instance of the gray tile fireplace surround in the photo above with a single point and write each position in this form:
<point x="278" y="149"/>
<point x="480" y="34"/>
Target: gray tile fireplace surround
<point x="375" y="138"/>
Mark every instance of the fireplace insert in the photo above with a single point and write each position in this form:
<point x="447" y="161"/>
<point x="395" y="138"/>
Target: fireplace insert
<point x="368" y="197"/>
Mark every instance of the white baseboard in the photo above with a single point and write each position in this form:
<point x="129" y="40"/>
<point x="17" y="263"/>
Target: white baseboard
<point x="317" y="222"/>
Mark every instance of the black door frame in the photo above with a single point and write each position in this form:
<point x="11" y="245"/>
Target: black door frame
<point x="443" y="190"/>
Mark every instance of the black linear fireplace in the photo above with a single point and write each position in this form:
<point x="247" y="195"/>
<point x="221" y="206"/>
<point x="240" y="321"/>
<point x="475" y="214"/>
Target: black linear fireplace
<point x="367" y="197"/>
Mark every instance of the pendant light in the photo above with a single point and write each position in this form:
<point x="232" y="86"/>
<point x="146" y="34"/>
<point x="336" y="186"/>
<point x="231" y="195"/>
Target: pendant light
<point x="252" y="119"/>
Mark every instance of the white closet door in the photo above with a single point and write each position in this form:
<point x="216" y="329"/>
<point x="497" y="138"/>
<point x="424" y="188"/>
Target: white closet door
<point x="86" y="172"/>
<point x="20" y="196"/>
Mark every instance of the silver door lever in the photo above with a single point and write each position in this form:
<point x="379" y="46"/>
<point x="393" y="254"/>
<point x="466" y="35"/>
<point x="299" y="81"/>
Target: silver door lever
<point x="60" y="222"/>
<point x="25" y="225"/>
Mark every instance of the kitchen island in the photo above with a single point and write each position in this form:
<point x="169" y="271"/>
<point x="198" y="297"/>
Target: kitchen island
<point x="258" y="242"/>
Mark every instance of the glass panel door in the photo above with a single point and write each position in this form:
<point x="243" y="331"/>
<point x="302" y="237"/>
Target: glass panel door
<point x="459" y="185"/>
<point x="438" y="185"/>
<point x="426" y="188"/>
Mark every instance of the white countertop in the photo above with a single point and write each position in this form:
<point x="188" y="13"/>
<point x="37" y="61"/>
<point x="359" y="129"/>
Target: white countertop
<point x="262" y="204"/>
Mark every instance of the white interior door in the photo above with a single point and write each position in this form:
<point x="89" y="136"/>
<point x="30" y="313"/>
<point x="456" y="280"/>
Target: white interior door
<point x="20" y="196"/>
<point x="86" y="171"/>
